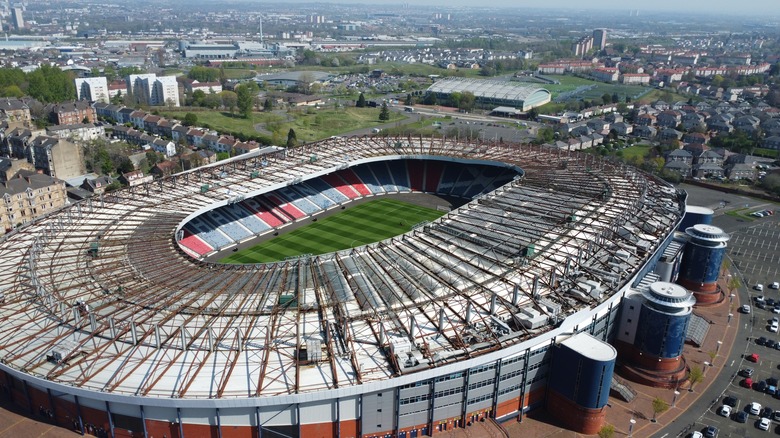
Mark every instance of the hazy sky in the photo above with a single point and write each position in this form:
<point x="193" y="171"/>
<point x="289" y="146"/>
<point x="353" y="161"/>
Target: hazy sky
<point x="752" y="7"/>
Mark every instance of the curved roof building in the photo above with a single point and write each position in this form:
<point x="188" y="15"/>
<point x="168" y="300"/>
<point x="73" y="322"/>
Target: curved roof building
<point x="115" y="324"/>
<point x="492" y="92"/>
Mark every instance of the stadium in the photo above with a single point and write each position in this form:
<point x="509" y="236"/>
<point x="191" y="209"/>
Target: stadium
<point x="123" y="327"/>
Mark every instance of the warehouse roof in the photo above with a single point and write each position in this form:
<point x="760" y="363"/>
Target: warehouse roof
<point x="487" y="88"/>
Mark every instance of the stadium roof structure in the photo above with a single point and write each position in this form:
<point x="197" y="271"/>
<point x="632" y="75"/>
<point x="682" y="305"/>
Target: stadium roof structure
<point x="100" y="298"/>
<point x="493" y="91"/>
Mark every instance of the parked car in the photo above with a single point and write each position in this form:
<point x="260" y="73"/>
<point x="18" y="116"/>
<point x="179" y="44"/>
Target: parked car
<point x="761" y="340"/>
<point x="747" y="372"/>
<point x="759" y="287"/>
<point x="764" y="423"/>
<point x="775" y="285"/>
<point x="770" y="343"/>
<point x="741" y="417"/>
<point x="711" y="432"/>
<point x="731" y="401"/>
<point x="754" y="408"/>
<point x="760" y="386"/>
<point x="770" y="302"/>
<point x="725" y="411"/>
<point x="774" y="327"/>
<point x="745" y="308"/>
<point x="753" y="358"/>
<point x="767" y="412"/>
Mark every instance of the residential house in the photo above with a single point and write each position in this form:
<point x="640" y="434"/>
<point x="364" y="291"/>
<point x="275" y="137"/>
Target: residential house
<point x="211" y="141"/>
<point x="613" y="117"/>
<point x="179" y="132"/>
<point x="163" y="169"/>
<point x="134" y="178"/>
<point x="124" y="115"/>
<point x="645" y="120"/>
<point x="137" y="119"/>
<point x="57" y="157"/>
<point x="10" y="166"/>
<point x="668" y="119"/>
<point x="669" y="134"/>
<point x="97" y="186"/>
<point x="680" y="167"/>
<point x="680" y="155"/>
<point x="598" y="125"/>
<point x="736" y="171"/>
<point x="166" y="147"/>
<point x="245" y="147"/>
<point x="150" y="123"/>
<point x="78" y="132"/>
<point x="28" y="195"/>
<point x="646" y="132"/>
<point x="16" y="112"/>
<point x="622" y="128"/>
<point x="772" y="142"/>
<point x="694" y="137"/>
<point x="71" y="113"/>
<point x="207" y="87"/>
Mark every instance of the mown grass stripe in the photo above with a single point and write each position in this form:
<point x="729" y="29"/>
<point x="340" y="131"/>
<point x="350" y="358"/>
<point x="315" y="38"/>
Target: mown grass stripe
<point x="363" y="224"/>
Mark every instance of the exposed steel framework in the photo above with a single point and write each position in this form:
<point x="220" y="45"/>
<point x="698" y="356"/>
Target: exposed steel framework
<point x="140" y="317"/>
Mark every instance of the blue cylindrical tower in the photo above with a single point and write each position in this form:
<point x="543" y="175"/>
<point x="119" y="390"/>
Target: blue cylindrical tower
<point x="695" y="215"/>
<point x="580" y="378"/>
<point x="664" y="320"/>
<point x="701" y="261"/>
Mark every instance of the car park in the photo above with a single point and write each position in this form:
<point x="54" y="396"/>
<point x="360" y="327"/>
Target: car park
<point x="764" y="424"/>
<point x="725" y="411"/>
<point x="741" y="417"/>
<point x="754" y="408"/>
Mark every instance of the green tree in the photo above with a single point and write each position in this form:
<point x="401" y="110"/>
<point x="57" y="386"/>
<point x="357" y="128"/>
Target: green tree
<point x="152" y="158"/>
<point x="545" y="135"/>
<point x="695" y="376"/>
<point x="190" y="119"/>
<point x="615" y="98"/>
<point x="409" y="100"/>
<point x="12" y="91"/>
<point x="212" y="100"/>
<point x="292" y="139"/>
<point x="384" y="113"/>
<point x="467" y="101"/>
<point x="203" y="74"/>
<point x="268" y="105"/>
<point x="659" y="407"/>
<point x="229" y="100"/>
<point x="244" y="101"/>
<point x="198" y="96"/>
<point x="361" y="101"/>
<point x="606" y="98"/>
<point x="607" y="431"/>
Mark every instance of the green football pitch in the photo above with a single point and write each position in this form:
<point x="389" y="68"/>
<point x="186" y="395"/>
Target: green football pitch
<point x="360" y="225"/>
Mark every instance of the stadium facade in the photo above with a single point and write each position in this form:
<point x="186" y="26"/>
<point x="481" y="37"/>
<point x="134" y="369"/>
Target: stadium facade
<point x="494" y="93"/>
<point x="121" y="329"/>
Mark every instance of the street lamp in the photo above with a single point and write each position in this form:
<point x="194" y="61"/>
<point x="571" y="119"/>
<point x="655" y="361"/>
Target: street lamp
<point x="717" y="349"/>
<point x="730" y="315"/>
<point x="731" y="298"/>
<point x="674" y="400"/>
<point x="631" y="424"/>
<point x="706" y="365"/>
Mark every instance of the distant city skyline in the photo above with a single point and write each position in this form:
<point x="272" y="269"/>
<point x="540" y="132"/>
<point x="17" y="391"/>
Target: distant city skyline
<point x="747" y="7"/>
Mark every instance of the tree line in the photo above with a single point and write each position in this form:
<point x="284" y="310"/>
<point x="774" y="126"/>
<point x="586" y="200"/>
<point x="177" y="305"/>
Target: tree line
<point x="47" y="84"/>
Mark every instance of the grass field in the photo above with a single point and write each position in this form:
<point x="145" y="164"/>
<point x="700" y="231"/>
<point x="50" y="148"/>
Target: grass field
<point x="356" y="226"/>
<point x="640" y="150"/>
<point x="309" y="124"/>
<point x="569" y="83"/>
